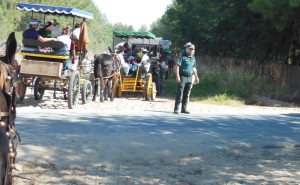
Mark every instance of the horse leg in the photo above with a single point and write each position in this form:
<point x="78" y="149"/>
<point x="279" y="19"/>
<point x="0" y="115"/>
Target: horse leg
<point x="114" y="82"/>
<point x="109" y="92"/>
<point x="96" y="89"/>
<point x="102" y="87"/>
<point x="106" y="90"/>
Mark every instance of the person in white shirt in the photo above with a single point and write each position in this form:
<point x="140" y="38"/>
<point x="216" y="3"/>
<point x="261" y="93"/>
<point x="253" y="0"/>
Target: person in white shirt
<point x="56" y="28"/>
<point x="65" y="38"/>
<point x="145" y="60"/>
<point x="76" y="32"/>
<point x="125" y="65"/>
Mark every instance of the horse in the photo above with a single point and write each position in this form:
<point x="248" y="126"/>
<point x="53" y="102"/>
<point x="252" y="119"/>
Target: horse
<point x="10" y="89"/>
<point x="107" y="71"/>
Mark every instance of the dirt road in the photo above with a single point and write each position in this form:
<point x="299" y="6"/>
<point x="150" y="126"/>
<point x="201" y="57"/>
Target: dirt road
<point x="132" y="141"/>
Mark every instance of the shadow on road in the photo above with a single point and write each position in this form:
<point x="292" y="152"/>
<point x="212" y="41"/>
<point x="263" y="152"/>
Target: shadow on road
<point x="158" y="148"/>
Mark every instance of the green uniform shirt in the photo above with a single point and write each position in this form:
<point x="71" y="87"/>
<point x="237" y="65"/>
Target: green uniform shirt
<point x="186" y="64"/>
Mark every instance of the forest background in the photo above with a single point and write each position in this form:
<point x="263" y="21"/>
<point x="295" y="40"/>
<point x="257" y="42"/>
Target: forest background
<point x="263" y="31"/>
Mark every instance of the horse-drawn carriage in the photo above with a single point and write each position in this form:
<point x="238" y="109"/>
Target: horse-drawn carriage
<point x="43" y="70"/>
<point x="142" y="81"/>
<point x="159" y="52"/>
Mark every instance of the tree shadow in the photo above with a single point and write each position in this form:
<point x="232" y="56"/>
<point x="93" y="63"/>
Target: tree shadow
<point x="150" y="148"/>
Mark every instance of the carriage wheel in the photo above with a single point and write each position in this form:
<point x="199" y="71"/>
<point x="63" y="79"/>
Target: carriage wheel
<point x="38" y="91"/>
<point x="147" y="90"/>
<point x="73" y="90"/>
<point x="154" y="91"/>
<point x="118" y="91"/>
<point x="87" y="91"/>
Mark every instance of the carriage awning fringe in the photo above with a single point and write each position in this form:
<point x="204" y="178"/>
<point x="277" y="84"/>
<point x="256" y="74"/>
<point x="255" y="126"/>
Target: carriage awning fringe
<point x="55" y="10"/>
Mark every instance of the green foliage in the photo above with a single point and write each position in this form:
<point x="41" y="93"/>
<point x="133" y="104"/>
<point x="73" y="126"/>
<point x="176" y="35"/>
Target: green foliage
<point x="122" y="27"/>
<point x="143" y="28"/>
<point x="99" y="29"/>
<point x="216" y="84"/>
<point x="263" y="30"/>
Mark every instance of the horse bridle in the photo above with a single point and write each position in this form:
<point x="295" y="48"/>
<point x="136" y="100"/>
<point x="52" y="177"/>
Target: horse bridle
<point x="113" y="69"/>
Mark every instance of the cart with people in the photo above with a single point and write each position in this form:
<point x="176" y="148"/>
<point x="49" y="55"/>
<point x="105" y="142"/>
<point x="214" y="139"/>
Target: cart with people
<point x="158" y="51"/>
<point x="141" y="81"/>
<point x="43" y="66"/>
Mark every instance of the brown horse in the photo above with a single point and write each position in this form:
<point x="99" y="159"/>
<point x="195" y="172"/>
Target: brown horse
<point x="107" y="71"/>
<point x="10" y="88"/>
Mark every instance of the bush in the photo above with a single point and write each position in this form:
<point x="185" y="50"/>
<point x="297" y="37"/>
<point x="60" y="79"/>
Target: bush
<point x="217" y="84"/>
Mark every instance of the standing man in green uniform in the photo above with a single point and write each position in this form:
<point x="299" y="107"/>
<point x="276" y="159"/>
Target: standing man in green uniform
<point x="185" y="69"/>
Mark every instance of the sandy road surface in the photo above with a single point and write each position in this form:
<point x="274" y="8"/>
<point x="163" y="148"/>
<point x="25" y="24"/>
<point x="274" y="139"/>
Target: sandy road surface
<point x="132" y="141"/>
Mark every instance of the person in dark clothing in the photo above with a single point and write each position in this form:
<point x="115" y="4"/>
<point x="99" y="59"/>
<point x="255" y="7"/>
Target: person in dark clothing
<point x="46" y="32"/>
<point x="185" y="69"/>
<point x="32" y="33"/>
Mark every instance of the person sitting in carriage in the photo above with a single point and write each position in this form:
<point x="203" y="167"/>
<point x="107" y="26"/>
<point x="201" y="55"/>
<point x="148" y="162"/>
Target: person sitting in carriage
<point x="133" y="51"/>
<point x="145" y="60"/>
<point x="75" y="33"/>
<point x="32" y="33"/>
<point x="133" y="65"/>
<point x="125" y="65"/>
<point x="140" y="53"/>
<point x="69" y="48"/>
<point x="47" y="30"/>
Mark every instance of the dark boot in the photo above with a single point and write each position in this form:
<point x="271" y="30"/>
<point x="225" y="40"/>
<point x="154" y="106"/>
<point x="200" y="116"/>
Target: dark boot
<point x="176" y="108"/>
<point x="184" y="108"/>
<point x="185" y="98"/>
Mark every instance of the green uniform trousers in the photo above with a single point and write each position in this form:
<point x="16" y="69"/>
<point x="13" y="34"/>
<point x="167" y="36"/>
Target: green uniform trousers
<point x="183" y="93"/>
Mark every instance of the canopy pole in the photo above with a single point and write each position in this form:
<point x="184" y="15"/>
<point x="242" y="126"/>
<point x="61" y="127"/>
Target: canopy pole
<point x="72" y="35"/>
<point x="32" y="14"/>
<point x="113" y="44"/>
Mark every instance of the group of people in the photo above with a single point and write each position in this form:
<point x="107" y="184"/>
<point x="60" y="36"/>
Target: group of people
<point x="52" y="32"/>
<point x="186" y="71"/>
<point x="130" y="59"/>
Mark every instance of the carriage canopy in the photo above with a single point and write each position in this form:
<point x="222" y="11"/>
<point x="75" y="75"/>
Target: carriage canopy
<point x="55" y="10"/>
<point x="134" y="34"/>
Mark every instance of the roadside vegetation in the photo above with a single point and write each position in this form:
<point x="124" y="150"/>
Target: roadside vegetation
<point x="218" y="86"/>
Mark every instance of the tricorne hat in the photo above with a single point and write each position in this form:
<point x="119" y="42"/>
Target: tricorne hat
<point x="191" y="46"/>
<point x="188" y="44"/>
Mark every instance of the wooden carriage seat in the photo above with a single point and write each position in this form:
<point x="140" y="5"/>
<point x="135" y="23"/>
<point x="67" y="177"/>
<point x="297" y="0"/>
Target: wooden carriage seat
<point x="31" y="49"/>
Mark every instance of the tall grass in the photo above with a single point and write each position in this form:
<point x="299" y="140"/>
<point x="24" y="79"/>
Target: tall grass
<point x="219" y="85"/>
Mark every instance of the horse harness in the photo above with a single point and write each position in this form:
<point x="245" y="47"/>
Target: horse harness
<point x="8" y="89"/>
<point x="114" y="70"/>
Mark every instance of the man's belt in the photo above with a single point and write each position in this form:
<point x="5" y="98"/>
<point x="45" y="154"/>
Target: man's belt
<point x="186" y="74"/>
